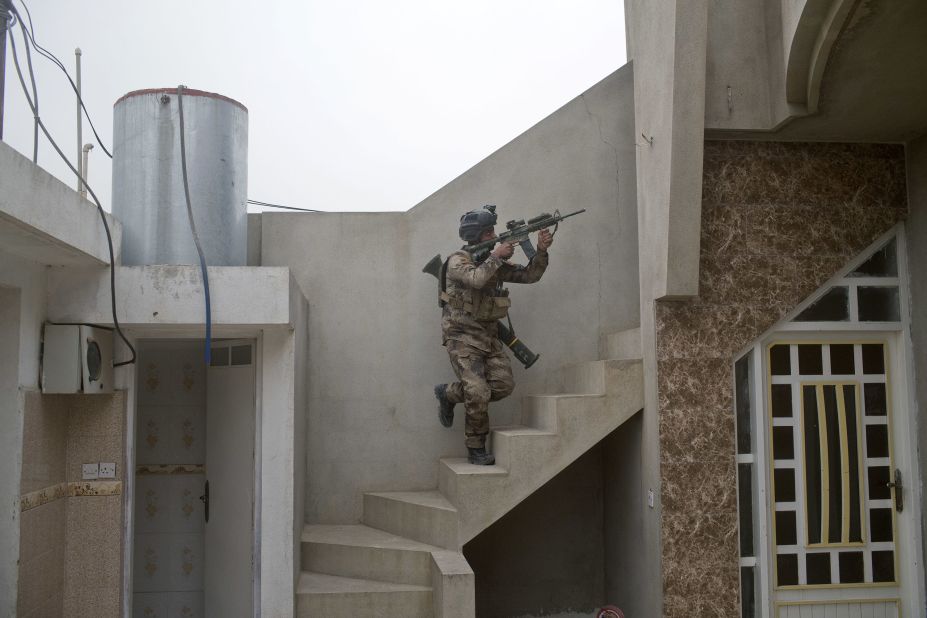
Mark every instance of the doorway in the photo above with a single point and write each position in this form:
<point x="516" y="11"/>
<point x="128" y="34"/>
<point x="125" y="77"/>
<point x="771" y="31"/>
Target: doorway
<point x="194" y="510"/>
<point x="829" y="520"/>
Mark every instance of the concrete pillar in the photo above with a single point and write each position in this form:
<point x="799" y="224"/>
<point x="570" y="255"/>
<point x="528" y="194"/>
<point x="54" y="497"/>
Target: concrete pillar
<point x="11" y="444"/>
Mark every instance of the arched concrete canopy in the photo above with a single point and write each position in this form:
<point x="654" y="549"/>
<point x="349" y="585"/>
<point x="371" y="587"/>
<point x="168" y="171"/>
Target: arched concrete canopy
<point x="817" y="27"/>
<point x="871" y="84"/>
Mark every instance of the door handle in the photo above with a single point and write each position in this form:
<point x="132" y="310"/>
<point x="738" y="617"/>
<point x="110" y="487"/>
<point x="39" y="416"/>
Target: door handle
<point x="898" y="488"/>
<point x="205" y="500"/>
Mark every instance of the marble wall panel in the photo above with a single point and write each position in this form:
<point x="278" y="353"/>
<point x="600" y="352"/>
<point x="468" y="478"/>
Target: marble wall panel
<point x="70" y="529"/>
<point x="41" y="560"/>
<point x="93" y="542"/>
<point x="778" y="220"/>
<point x="45" y="425"/>
<point x="698" y="434"/>
<point x="42" y="528"/>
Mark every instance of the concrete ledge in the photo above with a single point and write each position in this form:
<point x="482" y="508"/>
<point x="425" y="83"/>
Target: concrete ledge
<point x="455" y="585"/>
<point x="172" y="296"/>
<point x="44" y="220"/>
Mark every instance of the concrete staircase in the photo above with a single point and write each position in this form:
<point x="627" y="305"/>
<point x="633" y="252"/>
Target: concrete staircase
<point x="405" y="559"/>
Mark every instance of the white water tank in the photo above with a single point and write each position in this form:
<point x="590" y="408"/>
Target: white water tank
<point x="148" y="192"/>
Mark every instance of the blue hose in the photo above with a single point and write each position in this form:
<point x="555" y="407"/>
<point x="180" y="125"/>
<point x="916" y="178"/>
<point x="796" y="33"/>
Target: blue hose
<point x="196" y="238"/>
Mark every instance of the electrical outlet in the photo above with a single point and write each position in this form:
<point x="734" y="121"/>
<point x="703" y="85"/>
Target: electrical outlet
<point x="107" y="470"/>
<point x="90" y="471"/>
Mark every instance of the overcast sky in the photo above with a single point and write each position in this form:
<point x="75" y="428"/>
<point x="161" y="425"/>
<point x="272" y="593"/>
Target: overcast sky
<point x="366" y="105"/>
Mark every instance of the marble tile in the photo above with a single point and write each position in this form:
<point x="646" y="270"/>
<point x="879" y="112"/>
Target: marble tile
<point x="96" y="602"/>
<point x="690" y="434"/>
<point x="94" y="488"/>
<point x="702" y="605"/>
<point x="811" y="176"/>
<point x="39" y="497"/>
<point x="90" y="449"/>
<point x="41" y="530"/>
<point x="97" y="415"/>
<point x="44" y="441"/>
<point x="815" y="229"/>
<point x="93" y="548"/>
<point x="695" y="382"/>
<point x="689" y="330"/>
<point x="778" y="220"/>
<point x="749" y="279"/>
<point x="700" y="556"/>
<point x="699" y="487"/>
<point x="723" y="229"/>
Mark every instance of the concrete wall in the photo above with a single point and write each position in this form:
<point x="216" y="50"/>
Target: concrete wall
<point x="374" y="324"/>
<point x="917" y="257"/>
<point x="282" y="387"/>
<point x="668" y="45"/>
<point x="624" y="508"/>
<point x="738" y="73"/>
<point x="30" y="279"/>
<point x="11" y="428"/>
<point x="668" y="49"/>
<point x="524" y="570"/>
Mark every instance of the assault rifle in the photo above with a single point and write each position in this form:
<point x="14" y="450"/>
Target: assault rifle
<point x="517" y="230"/>
<point x="524" y="355"/>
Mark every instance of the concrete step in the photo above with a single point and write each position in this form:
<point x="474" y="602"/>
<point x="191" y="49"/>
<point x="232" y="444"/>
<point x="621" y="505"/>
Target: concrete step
<point x="557" y="429"/>
<point x="424" y="516"/>
<point x="586" y="377"/>
<point x="593" y="377"/>
<point x="543" y="412"/>
<point x="623" y="345"/>
<point x="450" y="469"/>
<point x="367" y="553"/>
<point x="319" y="595"/>
<point x="510" y="445"/>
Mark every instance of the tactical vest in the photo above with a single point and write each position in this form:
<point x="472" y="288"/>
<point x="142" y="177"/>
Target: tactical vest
<point x="484" y="305"/>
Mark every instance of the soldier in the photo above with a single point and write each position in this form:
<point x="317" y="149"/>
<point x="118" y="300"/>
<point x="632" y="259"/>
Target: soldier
<point x="473" y="300"/>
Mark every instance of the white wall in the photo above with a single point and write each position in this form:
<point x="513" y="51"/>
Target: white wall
<point x="374" y="325"/>
<point x="30" y="279"/>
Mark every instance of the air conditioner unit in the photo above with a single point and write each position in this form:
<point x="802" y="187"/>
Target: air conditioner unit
<point x="77" y="359"/>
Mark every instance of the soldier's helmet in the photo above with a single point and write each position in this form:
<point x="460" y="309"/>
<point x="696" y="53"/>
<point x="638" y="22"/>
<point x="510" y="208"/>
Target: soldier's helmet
<point x="474" y="222"/>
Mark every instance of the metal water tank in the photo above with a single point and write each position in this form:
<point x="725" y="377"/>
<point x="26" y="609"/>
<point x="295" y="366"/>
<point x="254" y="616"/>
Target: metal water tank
<point x="148" y="192"/>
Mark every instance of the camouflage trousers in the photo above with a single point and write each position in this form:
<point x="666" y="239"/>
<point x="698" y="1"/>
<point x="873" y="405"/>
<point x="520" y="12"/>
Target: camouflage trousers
<point x="483" y="377"/>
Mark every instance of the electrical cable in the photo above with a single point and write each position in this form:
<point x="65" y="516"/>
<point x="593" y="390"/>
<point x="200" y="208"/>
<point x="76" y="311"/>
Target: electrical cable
<point x="54" y="59"/>
<point x="109" y="237"/>
<point x="196" y="238"/>
<point x="35" y="93"/>
<point x="259" y="203"/>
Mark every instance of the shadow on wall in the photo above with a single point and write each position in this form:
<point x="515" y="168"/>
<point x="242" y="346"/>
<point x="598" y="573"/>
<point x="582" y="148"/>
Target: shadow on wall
<point x="567" y="548"/>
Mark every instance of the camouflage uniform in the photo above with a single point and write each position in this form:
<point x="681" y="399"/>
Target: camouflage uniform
<point x="474" y="300"/>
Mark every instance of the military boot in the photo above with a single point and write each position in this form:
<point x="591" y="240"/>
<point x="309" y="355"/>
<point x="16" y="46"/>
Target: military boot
<point x="445" y="407"/>
<point x="480" y="457"/>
